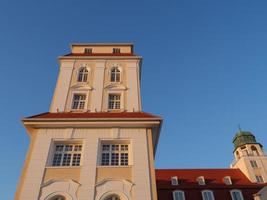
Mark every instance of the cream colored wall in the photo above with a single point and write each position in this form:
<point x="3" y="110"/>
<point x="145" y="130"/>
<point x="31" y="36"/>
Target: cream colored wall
<point x="103" y="173"/>
<point x="63" y="173"/>
<point x="62" y="86"/>
<point x="101" y="49"/>
<point x="141" y="174"/>
<point x="98" y="85"/>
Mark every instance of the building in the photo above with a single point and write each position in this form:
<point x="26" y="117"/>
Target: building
<point x="96" y="142"/>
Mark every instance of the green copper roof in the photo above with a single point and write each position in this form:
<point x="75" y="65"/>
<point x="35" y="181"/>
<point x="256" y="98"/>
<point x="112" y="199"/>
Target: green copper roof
<point x="244" y="137"/>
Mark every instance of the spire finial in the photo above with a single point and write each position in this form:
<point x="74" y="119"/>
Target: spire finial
<point x="239" y="128"/>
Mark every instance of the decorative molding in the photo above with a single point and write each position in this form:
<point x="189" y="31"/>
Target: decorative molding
<point x="67" y="188"/>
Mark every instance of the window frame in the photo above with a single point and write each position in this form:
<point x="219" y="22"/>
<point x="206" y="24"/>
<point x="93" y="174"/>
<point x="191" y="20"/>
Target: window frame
<point x="174" y="180"/>
<point x="83" y="74"/>
<point x="110" y="151"/>
<point x="227" y="180"/>
<point x="238" y="191"/>
<point x="117" y="74"/>
<point x="201" y="180"/>
<point x="116" y="50"/>
<point x="207" y="191"/>
<point x="179" y="192"/>
<point x="114" y="102"/>
<point x="64" y="152"/>
<point x="84" y="101"/>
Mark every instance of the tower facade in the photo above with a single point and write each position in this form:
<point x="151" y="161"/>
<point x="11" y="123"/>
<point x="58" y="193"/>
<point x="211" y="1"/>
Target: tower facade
<point x="250" y="157"/>
<point x="95" y="142"/>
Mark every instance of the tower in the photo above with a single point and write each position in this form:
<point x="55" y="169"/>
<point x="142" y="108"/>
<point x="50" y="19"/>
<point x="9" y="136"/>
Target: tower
<point x="95" y="142"/>
<point x="250" y="157"/>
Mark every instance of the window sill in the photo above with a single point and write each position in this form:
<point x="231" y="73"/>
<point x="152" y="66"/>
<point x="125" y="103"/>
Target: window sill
<point x="63" y="167"/>
<point x="114" y="166"/>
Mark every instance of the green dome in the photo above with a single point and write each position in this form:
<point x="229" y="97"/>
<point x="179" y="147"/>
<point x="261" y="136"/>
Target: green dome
<point x="244" y="137"/>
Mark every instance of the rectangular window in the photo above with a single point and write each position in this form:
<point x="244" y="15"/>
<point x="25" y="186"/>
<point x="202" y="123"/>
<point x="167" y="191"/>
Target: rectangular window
<point x="174" y="180"/>
<point x="116" y="50"/>
<point x="207" y="195"/>
<point x="253" y="164"/>
<point x="178" y="195"/>
<point x="236" y="195"/>
<point x="88" y="50"/>
<point x="114" y="102"/>
<point x="227" y="180"/>
<point x="78" y="101"/>
<point x="259" y="179"/>
<point x="67" y="155"/>
<point x="114" y="154"/>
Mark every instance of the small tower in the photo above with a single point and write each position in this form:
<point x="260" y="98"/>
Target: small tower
<point x="250" y="157"/>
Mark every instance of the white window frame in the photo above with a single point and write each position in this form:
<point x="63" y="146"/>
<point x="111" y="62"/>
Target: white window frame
<point x="238" y="191"/>
<point x="84" y="74"/>
<point x="85" y="101"/>
<point x="209" y="192"/>
<point x="111" y="151"/>
<point x="201" y="180"/>
<point x="78" y="152"/>
<point x="174" y="180"/>
<point x="115" y="101"/>
<point x="116" y="74"/>
<point x="227" y="180"/>
<point x="178" y="192"/>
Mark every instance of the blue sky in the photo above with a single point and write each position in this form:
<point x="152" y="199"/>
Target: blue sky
<point x="204" y="70"/>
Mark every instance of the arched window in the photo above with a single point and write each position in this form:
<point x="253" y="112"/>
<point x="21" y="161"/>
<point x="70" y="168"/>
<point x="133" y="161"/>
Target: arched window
<point x="113" y="197"/>
<point x="115" y="75"/>
<point x="237" y="155"/>
<point x="207" y="195"/>
<point x="58" y="197"/>
<point x="82" y="75"/>
<point x="254" y="151"/>
<point x="236" y="195"/>
<point x="178" y="195"/>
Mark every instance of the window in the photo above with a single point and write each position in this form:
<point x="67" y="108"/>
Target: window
<point x="114" y="102"/>
<point x="114" y="154"/>
<point x="227" y="180"/>
<point x="253" y="164"/>
<point x="178" y="195"/>
<point x="113" y="198"/>
<point x="259" y="179"/>
<point x="58" y="198"/>
<point x="78" y="101"/>
<point x="174" y="180"/>
<point x="116" y="50"/>
<point x="67" y="155"/>
<point x="254" y="151"/>
<point x="82" y="75"/>
<point x="207" y="195"/>
<point x="236" y="195"/>
<point x="115" y="75"/>
<point x="88" y="50"/>
<point x="201" y="180"/>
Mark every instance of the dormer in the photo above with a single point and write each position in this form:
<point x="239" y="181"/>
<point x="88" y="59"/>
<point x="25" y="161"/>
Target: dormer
<point x="174" y="180"/>
<point x="201" y="180"/>
<point x="227" y="180"/>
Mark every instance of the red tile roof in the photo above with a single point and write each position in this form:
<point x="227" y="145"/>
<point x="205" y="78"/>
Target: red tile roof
<point x="100" y="54"/>
<point x="95" y="115"/>
<point x="214" y="181"/>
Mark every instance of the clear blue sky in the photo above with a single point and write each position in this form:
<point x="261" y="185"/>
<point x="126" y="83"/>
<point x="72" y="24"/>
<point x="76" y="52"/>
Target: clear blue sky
<point x="204" y="70"/>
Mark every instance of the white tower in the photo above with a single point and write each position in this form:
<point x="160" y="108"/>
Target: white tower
<point x="95" y="143"/>
<point x="250" y="157"/>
